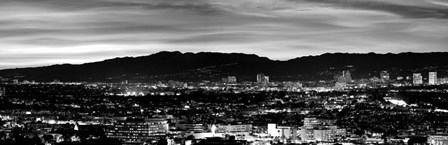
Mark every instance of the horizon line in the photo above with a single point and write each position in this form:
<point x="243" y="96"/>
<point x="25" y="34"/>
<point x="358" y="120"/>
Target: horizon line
<point x="186" y="52"/>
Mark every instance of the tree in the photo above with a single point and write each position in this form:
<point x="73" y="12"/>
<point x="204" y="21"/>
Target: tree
<point x="191" y="137"/>
<point x="360" y="132"/>
<point x="48" y="138"/>
<point x="162" y="141"/>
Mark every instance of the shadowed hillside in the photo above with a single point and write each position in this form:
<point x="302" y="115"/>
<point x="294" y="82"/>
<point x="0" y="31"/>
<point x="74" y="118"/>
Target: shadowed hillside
<point x="213" y="66"/>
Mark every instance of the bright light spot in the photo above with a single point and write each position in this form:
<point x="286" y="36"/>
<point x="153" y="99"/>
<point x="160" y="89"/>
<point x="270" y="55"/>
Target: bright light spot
<point x="52" y="122"/>
<point x="441" y="110"/>
<point x="398" y="102"/>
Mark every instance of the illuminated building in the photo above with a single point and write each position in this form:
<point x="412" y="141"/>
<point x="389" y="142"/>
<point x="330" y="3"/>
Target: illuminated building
<point x="343" y="79"/>
<point x="442" y="80"/>
<point x="417" y="79"/>
<point x="233" y="128"/>
<point x="2" y="91"/>
<point x="190" y="127"/>
<point x="323" y="135"/>
<point x="384" y="75"/>
<point x="266" y="79"/>
<point x="320" y="133"/>
<point x="438" y="140"/>
<point x="319" y="130"/>
<point x="138" y="131"/>
<point x="291" y="86"/>
<point x="432" y="78"/>
<point x="225" y="80"/>
<point x="310" y="122"/>
<point x="277" y="131"/>
<point x="262" y="79"/>
<point x="306" y="134"/>
<point x="347" y="76"/>
<point x="272" y="130"/>
<point x="220" y="141"/>
<point x="231" y="79"/>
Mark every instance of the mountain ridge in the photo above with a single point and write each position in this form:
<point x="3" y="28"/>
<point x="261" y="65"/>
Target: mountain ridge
<point x="176" y="65"/>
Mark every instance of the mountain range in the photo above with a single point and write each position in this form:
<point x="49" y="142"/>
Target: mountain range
<point x="213" y="66"/>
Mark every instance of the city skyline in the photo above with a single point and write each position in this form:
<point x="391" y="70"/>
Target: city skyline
<point x="46" y="32"/>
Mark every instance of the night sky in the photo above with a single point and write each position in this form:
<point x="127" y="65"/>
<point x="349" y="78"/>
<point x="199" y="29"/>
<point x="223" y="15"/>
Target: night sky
<point x="45" y="32"/>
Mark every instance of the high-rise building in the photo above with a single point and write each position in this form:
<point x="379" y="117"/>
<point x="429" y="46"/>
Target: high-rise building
<point x="345" y="77"/>
<point x="432" y="78"/>
<point x="384" y="75"/>
<point x="225" y="80"/>
<point x="138" y="131"/>
<point x="417" y="79"/>
<point x="2" y="91"/>
<point x="262" y="79"/>
<point x="231" y="79"/>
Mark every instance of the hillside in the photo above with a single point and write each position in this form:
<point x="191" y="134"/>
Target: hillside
<point x="213" y="66"/>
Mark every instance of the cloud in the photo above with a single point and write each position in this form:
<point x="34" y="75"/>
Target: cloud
<point x="439" y="2"/>
<point x="405" y="10"/>
<point x="44" y="32"/>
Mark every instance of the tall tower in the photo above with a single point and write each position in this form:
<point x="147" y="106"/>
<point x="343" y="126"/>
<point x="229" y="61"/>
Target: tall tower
<point x="432" y="78"/>
<point x="2" y="91"/>
<point x="347" y="75"/>
<point x="260" y="78"/>
<point x="266" y="79"/>
<point x="417" y="79"/>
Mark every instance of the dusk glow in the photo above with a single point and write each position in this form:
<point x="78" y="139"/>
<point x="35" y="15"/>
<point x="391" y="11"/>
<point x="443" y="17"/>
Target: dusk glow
<point x="45" y="32"/>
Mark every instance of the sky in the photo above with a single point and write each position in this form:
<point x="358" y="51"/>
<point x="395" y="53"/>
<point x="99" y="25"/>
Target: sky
<point x="45" y="32"/>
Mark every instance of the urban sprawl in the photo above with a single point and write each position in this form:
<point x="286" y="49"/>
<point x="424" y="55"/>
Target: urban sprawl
<point x="403" y="110"/>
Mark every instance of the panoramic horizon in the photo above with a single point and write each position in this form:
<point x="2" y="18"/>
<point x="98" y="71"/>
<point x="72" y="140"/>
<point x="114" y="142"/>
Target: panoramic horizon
<point x="224" y="72"/>
<point x="214" y="52"/>
<point x="47" y="32"/>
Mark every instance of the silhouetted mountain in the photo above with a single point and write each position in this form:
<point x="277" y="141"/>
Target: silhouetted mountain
<point x="213" y="66"/>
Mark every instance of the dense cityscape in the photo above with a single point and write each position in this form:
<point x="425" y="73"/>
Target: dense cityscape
<point x="409" y="109"/>
<point x="223" y="72"/>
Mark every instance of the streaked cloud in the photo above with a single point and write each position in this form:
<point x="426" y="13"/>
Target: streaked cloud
<point x="44" y="32"/>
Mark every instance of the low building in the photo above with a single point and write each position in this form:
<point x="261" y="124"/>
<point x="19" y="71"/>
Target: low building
<point x="280" y="131"/>
<point x="138" y="131"/>
<point x="320" y="130"/>
<point x="190" y="127"/>
<point x="438" y="139"/>
<point x="233" y="128"/>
